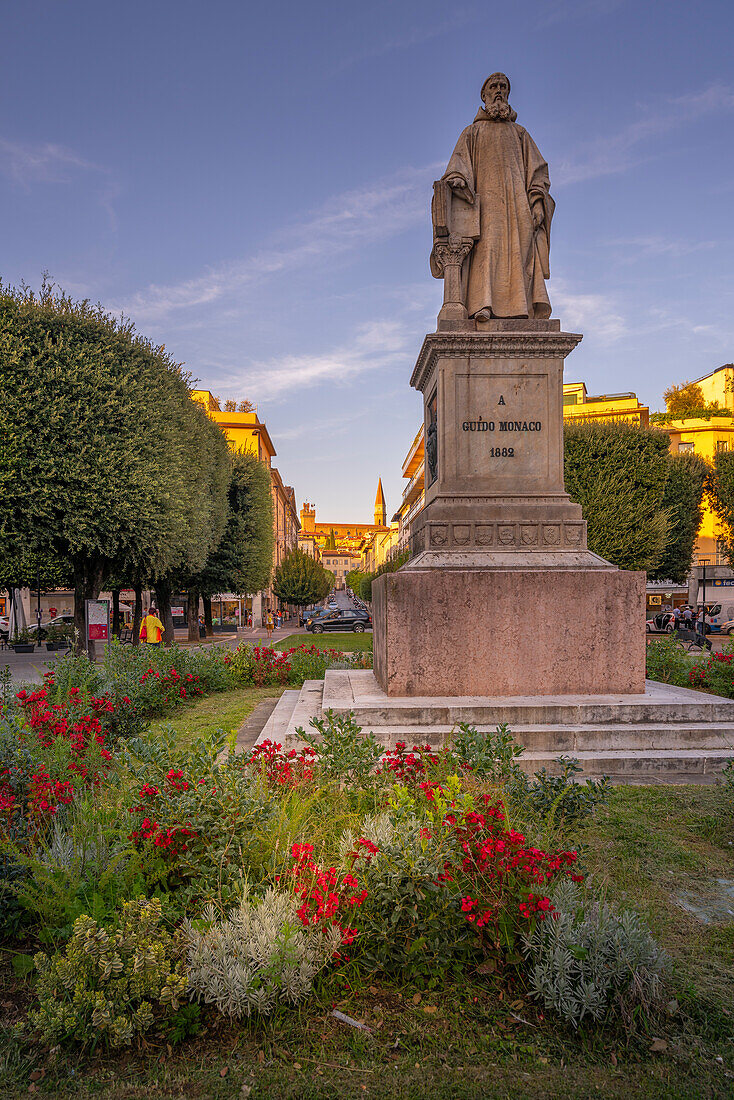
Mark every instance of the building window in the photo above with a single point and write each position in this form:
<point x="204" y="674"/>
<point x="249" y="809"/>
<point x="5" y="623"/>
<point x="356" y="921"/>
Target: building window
<point x="570" y="399"/>
<point x="683" y="447"/>
<point x="722" y="445"/>
<point x="721" y="558"/>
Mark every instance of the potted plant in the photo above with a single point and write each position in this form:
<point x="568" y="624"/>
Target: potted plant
<point x="23" y="642"/>
<point x="54" y="638"/>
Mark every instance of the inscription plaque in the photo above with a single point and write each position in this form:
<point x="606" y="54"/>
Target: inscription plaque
<point x="501" y="429"/>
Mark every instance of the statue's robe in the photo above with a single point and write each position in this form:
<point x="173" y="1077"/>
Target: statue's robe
<point x="508" y="265"/>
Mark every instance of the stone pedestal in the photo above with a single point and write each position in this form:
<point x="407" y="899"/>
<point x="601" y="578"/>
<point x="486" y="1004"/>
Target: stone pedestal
<point x="501" y="595"/>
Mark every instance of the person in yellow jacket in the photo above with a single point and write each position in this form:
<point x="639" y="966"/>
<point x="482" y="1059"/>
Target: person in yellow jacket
<point x="151" y="628"/>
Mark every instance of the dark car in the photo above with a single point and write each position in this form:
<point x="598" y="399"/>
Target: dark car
<point x="343" y="619"/>
<point x="311" y="616"/>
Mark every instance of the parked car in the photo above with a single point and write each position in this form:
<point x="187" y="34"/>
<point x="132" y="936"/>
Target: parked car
<point x="311" y="616"/>
<point x="727" y="627"/>
<point x="357" y="621"/>
<point x="62" y="622"/>
<point x="4" y="627"/>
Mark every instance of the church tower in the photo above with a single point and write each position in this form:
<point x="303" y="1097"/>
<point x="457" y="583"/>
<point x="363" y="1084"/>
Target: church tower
<point x="380" y="510"/>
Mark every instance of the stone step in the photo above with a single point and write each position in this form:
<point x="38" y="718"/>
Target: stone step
<point x="278" y="724"/>
<point x="358" y="691"/>
<point x="295" y="709"/>
<point x="644" y="766"/>
<point x="573" y="739"/>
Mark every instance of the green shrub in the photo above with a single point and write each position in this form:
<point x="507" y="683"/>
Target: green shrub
<point x="107" y="984"/>
<point x="667" y="662"/>
<point x="344" y="751"/>
<point x="410" y="924"/>
<point x="561" y="799"/>
<point x="490" y="756"/>
<point x="589" y="960"/>
<point x="197" y="821"/>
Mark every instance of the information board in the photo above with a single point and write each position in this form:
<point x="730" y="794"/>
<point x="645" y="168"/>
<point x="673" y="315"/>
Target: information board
<point x="98" y="620"/>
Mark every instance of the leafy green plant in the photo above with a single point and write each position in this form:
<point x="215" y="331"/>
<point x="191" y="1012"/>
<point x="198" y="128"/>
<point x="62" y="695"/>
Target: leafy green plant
<point x="667" y="662"/>
<point x="183" y="1024"/>
<point x="561" y="799"/>
<point x="344" y="751"/>
<point x="410" y="923"/>
<point x="490" y="756"/>
<point x="107" y="984"/>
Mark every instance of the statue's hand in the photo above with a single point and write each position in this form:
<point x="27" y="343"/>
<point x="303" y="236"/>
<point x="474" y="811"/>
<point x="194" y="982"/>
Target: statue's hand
<point x="458" y="183"/>
<point x="538" y="215"/>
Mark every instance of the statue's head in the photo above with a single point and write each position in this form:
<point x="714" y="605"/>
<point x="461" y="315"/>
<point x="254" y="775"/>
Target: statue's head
<point x="495" y="94"/>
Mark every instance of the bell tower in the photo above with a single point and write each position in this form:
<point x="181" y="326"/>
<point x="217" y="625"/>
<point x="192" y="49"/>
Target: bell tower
<point x="380" y="509"/>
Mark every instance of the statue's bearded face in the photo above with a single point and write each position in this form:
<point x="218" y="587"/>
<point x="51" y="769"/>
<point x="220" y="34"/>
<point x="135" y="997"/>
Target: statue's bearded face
<point x="496" y="93"/>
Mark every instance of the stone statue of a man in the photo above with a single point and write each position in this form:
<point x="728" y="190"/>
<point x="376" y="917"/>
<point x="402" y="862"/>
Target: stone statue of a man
<point x="497" y="168"/>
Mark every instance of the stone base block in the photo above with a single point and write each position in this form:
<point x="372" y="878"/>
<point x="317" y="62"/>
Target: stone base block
<point x="500" y="632"/>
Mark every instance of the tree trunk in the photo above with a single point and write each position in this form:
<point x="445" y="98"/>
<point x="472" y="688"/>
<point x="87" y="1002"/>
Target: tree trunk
<point x="116" y="612"/>
<point x="88" y="578"/>
<point x="208" y="616"/>
<point x="137" y="612"/>
<point x="192" y="613"/>
<point x="163" y="594"/>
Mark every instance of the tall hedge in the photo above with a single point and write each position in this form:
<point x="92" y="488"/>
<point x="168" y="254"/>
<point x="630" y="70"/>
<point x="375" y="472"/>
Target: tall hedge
<point x="721" y="495"/>
<point x="618" y="472"/>
<point x="688" y="476"/>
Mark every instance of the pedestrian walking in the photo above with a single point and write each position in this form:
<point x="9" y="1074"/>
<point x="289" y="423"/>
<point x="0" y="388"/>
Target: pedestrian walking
<point x="687" y="617"/>
<point x="269" y="623"/>
<point x="278" y="619"/>
<point x="151" y="628"/>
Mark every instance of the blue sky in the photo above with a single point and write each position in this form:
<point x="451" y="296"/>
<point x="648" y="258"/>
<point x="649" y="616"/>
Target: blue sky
<point x="251" y="183"/>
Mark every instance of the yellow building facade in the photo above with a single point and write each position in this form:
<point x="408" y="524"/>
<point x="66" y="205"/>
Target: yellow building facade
<point x="583" y="408"/>
<point x="245" y="431"/>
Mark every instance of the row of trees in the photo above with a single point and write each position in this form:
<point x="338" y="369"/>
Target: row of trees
<point x="110" y="474"/>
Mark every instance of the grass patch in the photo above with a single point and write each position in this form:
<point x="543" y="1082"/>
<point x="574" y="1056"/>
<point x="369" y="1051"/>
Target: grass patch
<point x="343" y="640"/>
<point x="226" y="710"/>
<point x="651" y="845"/>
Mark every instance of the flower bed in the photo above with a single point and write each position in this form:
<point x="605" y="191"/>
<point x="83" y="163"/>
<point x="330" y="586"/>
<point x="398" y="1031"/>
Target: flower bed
<point x="412" y="863"/>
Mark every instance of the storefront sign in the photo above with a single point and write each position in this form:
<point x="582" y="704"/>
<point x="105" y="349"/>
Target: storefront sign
<point x="98" y="620"/>
<point x="717" y="583"/>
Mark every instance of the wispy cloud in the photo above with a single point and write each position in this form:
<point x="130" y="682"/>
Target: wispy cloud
<point x="375" y="344"/>
<point x="633" y="249"/>
<point x="415" y="36"/>
<point x="49" y="163"/>
<point x="347" y="221"/>
<point x="593" y="314"/>
<point x="618" y="152"/>
<point x="561" y="11"/>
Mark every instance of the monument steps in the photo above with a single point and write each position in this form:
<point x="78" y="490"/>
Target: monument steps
<point x="669" y="735"/>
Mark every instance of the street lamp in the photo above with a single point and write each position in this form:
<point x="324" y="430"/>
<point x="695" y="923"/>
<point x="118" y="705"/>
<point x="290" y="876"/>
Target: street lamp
<point x="703" y="562"/>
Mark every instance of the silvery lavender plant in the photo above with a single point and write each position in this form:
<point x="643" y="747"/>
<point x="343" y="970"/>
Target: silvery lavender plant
<point x="258" y="956"/>
<point x="589" y="959"/>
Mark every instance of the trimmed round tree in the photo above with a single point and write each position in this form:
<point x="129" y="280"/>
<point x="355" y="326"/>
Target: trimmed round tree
<point x="99" y="445"/>
<point x="300" y="579"/>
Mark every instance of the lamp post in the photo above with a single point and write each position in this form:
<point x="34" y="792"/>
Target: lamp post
<point x="703" y="562"/>
<point x="38" y="606"/>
